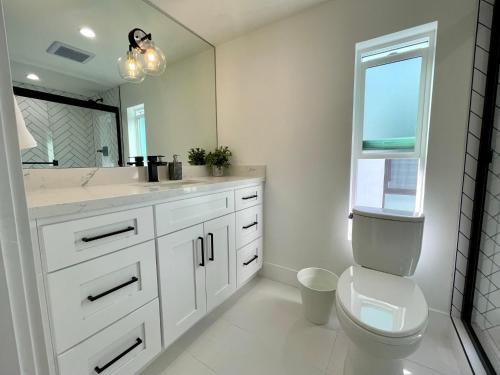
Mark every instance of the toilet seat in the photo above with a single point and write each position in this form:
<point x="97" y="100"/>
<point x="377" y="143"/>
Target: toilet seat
<point x="383" y="304"/>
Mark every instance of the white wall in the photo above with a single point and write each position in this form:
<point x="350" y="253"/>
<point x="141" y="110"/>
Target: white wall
<point x="285" y="100"/>
<point x="179" y="106"/>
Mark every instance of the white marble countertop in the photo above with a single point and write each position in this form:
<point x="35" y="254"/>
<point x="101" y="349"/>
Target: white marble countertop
<point x="44" y="203"/>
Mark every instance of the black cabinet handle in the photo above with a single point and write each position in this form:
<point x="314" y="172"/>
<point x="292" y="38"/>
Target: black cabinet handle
<point x="251" y="260"/>
<point x="131" y="281"/>
<point x="250" y="197"/>
<point x="98" y="369"/>
<point x="202" y="251"/>
<point x="250" y="225"/>
<point x="89" y="239"/>
<point x="212" y="255"/>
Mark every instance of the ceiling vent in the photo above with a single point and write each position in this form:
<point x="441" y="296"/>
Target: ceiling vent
<point x="70" y="52"/>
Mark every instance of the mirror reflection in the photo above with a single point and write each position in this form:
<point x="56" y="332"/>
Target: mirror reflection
<point x="81" y="111"/>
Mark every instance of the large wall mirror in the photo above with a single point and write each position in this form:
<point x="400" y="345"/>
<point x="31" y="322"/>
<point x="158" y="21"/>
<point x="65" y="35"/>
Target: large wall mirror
<point x="81" y="112"/>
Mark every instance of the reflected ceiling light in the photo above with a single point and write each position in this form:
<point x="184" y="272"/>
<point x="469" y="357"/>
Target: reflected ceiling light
<point x="33" y="77"/>
<point x="87" y="32"/>
<point x="141" y="52"/>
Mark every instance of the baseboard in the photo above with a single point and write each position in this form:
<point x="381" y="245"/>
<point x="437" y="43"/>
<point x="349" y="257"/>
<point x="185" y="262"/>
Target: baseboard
<point x="439" y="311"/>
<point x="279" y="273"/>
<point x="288" y="276"/>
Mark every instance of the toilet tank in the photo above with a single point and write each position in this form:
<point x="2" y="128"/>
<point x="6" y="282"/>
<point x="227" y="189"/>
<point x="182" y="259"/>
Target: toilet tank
<point x="387" y="240"/>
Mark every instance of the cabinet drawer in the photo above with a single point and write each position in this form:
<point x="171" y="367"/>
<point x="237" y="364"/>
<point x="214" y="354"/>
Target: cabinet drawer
<point x="248" y="197"/>
<point x="249" y="225"/>
<point x="123" y="348"/>
<point x="92" y="295"/>
<point x="249" y="261"/>
<point x="184" y="213"/>
<point x="75" y="241"/>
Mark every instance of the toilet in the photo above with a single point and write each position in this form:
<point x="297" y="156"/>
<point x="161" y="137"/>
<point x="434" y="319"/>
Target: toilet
<point x="382" y="312"/>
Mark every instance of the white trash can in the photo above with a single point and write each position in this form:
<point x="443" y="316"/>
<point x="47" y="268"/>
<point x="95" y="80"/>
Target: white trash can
<point x="317" y="287"/>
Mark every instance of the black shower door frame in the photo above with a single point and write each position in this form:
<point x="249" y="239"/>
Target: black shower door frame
<point x="484" y="159"/>
<point x="90" y="104"/>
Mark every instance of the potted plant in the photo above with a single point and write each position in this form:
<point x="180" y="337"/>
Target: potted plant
<point x="218" y="160"/>
<point x="196" y="156"/>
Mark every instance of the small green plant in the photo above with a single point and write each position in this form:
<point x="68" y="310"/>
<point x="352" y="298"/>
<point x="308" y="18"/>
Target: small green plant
<point x="220" y="157"/>
<point x="196" y="156"/>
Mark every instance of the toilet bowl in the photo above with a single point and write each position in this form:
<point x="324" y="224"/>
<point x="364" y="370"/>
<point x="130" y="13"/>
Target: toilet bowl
<point x="382" y="312"/>
<point x="385" y="317"/>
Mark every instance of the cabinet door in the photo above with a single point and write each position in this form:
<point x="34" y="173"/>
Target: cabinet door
<point x="221" y="259"/>
<point x="182" y="281"/>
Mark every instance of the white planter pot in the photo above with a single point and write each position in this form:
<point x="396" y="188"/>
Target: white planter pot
<point x="217" y="171"/>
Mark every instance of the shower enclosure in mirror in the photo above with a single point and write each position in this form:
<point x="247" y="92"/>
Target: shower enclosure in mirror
<point x="73" y="99"/>
<point x="478" y="262"/>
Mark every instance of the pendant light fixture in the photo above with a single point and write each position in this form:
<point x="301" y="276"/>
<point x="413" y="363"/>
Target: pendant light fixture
<point x="130" y="67"/>
<point x="143" y="57"/>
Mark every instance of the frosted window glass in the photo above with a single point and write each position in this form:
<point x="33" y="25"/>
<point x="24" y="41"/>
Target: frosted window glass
<point x="391" y="105"/>
<point x="387" y="183"/>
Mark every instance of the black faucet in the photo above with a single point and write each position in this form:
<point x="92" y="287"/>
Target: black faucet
<point x="153" y="162"/>
<point x="138" y="161"/>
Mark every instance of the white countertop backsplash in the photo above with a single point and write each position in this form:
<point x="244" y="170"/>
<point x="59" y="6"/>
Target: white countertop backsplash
<point x="57" y="192"/>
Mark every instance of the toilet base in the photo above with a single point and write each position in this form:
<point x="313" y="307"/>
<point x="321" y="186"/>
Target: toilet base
<point x="358" y="362"/>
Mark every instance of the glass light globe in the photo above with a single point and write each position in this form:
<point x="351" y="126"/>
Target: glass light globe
<point x="130" y="67"/>
<point x="153" y="60"/>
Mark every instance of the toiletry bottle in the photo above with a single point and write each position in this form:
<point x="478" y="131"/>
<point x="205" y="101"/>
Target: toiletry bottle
<point x="175" y="169"/>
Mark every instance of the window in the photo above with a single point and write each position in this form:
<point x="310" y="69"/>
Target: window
<point x="392" y="96"/>
<point x="136" y="131"/>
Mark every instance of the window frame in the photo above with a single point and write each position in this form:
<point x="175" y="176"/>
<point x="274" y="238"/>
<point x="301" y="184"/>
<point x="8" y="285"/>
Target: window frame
<point x="395" y="41"/>
<point x="133" y="121"/>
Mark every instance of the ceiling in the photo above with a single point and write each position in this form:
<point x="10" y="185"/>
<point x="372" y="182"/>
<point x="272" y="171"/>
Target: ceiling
<point x="221" y="20"/>
<point x="33" y="25"/>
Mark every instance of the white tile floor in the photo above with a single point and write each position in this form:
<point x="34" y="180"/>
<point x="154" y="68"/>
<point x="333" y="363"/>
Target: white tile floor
<point x="262" y="331"/>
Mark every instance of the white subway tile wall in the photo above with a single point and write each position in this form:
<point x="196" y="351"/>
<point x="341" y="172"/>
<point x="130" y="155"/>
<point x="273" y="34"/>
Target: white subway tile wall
<point x="486" y="306"/>
<point x="72" y="135"/>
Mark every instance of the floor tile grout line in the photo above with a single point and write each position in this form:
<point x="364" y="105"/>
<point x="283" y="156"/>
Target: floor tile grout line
<point x="428" y="367"/>
<point x="260" y="338"/>
<point x="337" y="335"/>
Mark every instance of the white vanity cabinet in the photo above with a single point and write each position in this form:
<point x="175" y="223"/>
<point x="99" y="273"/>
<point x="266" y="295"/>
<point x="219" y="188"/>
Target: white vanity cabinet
<point x="114" y="284"/>
<point x="197" y="272"/>
<point x="249" y="232"/>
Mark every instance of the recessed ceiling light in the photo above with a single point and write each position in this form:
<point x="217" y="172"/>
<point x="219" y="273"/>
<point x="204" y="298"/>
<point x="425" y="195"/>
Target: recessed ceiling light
<point x="87" y="32"/>
<point x="33" y="77"/>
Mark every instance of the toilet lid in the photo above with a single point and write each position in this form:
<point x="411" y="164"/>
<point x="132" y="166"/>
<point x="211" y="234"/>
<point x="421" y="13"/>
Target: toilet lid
<point x="382" y="303"/>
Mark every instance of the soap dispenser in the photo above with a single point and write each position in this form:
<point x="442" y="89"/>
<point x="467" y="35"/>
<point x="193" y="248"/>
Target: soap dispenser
<point x="175" y="169"/>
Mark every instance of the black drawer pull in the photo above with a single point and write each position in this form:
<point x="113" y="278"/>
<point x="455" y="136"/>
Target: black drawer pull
<point x="202" y="251"/>
<point x="98" y="369"/>
<point x="131" y="281"/>
<point x="250" y="225"/>
<point x="250" y="197"/>
<point x="251" y="260"/>
<point x="89" y="239"/>
<point x="212" y="255"/>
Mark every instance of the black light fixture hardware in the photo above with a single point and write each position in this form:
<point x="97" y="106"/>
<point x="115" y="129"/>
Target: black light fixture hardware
<point x="142" y="57"/>
<point x="136" y="37"/>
